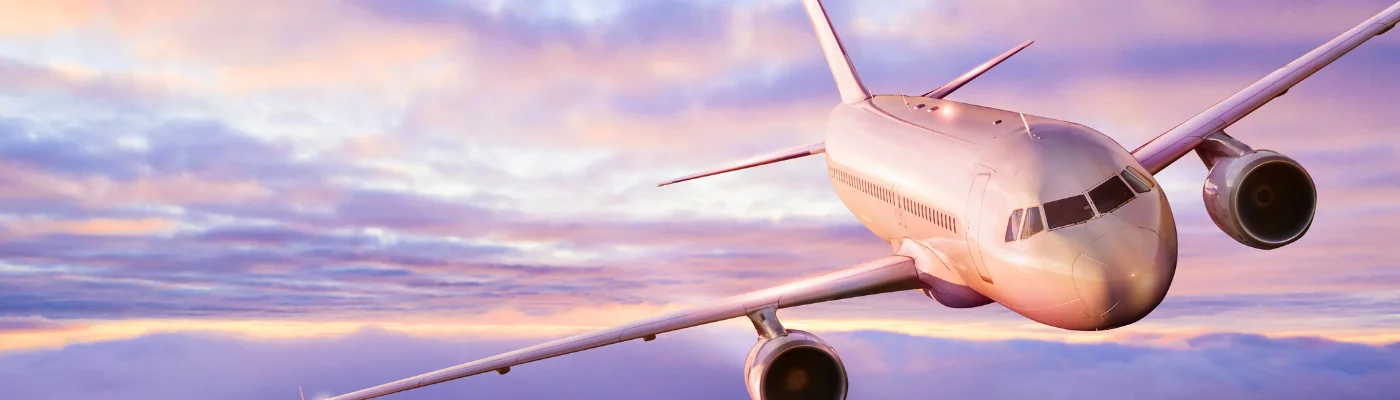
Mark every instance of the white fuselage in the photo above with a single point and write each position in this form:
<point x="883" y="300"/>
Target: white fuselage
<point x="949" y="176"/>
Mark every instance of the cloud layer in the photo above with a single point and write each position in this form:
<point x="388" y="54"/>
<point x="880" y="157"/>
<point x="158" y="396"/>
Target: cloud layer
<point x="707" y="364"/>
<point x="440" y="168"/>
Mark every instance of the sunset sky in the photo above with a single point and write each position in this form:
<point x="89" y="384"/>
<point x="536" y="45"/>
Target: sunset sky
<point x="231" y="199"/>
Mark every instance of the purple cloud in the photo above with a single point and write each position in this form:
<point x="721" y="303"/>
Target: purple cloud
<point x="707" y="364"/>
<point x="29" y="324"/>
<point x="268" y="212"/>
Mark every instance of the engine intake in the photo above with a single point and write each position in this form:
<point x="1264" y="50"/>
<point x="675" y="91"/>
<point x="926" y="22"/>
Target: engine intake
<point x="1261" y="198"/>
<point x="798" y="365"/>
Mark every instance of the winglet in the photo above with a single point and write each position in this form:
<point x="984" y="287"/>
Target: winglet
<point x="949" y="88"/>
<point x="847" y="81"/>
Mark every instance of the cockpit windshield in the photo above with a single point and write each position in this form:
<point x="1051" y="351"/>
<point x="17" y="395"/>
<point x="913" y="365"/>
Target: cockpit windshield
<point x="1110" y="195"/>
<point x="1139" y="183"/>
<point x="1033" y="223"/>
<point x="1012" y="226"/>
<point x="1105" y="198"/>
<point x="1068" y="211"/>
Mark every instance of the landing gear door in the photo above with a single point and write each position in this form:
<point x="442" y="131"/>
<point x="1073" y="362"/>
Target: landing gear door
<point x="973" y="219"/>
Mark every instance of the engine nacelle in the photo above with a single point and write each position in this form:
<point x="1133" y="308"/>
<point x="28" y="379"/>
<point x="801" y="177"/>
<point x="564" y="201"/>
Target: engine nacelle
<point x="798" y="365"/>
<point x="1261" y="198"/>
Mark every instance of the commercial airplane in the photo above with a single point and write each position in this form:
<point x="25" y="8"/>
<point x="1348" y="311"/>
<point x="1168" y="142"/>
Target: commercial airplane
<point x="1050" y="219"/>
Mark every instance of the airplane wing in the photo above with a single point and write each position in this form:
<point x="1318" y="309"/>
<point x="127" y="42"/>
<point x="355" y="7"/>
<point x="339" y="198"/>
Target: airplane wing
<point x="888" y="274"/>
<point x="956" y="84"/>
<point x="1160" y="152"/>
<point x="799" y="152"/>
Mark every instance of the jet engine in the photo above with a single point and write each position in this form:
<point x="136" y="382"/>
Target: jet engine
<point x="1261" y="198"/>
<point x="798" y="365"/>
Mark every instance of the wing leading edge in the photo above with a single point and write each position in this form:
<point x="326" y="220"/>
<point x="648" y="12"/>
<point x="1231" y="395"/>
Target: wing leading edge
<point x="888" y="274"/>
<point x="1161" y="151"/>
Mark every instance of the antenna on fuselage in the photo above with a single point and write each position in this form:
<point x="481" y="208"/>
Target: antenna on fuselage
<point x="1029" y="134"/>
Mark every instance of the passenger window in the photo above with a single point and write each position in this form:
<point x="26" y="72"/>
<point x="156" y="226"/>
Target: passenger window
<point x="1012" y="225"/>
<point x="1110" y="195"/>
<point x="1033" y="223"/>
<point x="1068" y="211"/>
<point x="1139" y="183"/>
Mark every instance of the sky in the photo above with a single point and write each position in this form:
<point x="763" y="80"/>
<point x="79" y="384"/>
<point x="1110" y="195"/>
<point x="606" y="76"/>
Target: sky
<point x="233" y="199"/>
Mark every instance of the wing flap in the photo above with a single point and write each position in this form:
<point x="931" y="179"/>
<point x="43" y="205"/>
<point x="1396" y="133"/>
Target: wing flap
<point x="1161" y="151"/>
<point x="888" y="274"/>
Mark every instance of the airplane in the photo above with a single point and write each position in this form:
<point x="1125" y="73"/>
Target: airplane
<point x="1051" y="219"/>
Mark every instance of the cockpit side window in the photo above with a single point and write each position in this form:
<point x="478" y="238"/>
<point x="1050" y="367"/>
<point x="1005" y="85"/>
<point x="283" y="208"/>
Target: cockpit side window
<point x="1033" y="223"/>
<point x="1135" y="179"/>
<point x="1013" y="225"/>
<point x="1110" y="195"/>
<point x="1068" y="211"/>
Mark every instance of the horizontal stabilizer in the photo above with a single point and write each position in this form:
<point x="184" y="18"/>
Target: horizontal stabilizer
<point x="974" y="73"/>
<point x="764" y="160"/>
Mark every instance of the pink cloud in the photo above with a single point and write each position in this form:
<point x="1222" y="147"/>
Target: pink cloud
<point x="353" y="229"/>
<point x="704" y="365"/>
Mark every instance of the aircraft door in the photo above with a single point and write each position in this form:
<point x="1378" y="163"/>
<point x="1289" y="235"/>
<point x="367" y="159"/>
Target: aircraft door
<point x="973" y="219"/>
<point x="899" y="201"/>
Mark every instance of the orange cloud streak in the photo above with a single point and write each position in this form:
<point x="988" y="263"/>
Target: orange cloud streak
<point x="98" y="226"/>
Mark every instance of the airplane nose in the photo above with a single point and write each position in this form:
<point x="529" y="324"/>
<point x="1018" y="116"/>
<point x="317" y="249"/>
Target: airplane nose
<point x="1122" y="276"/>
